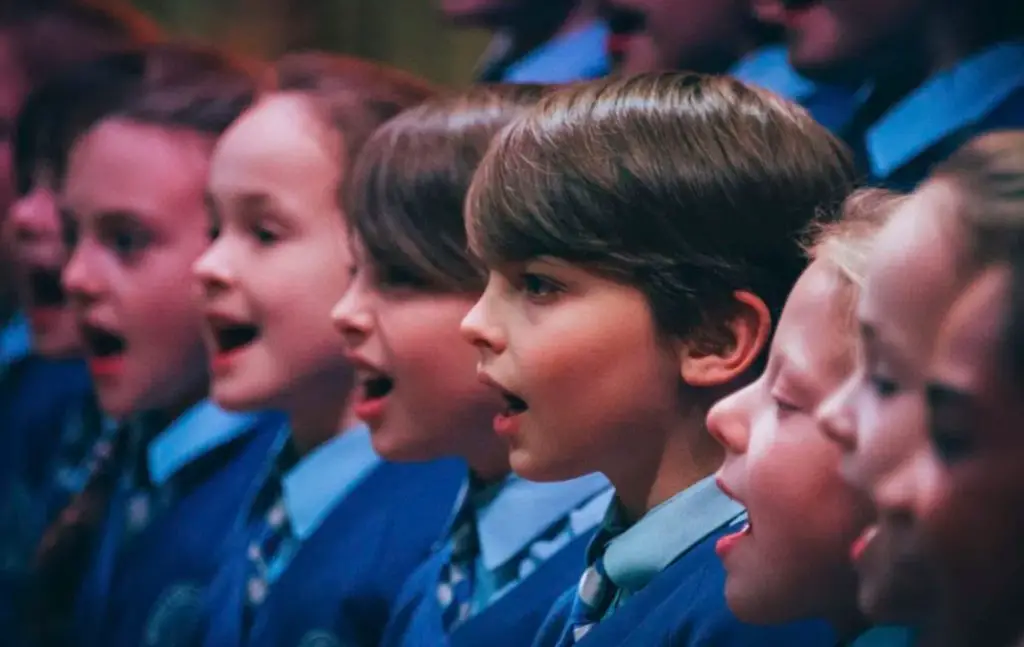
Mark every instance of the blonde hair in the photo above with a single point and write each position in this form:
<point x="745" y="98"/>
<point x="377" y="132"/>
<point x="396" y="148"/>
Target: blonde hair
<point x="845" y="244"/>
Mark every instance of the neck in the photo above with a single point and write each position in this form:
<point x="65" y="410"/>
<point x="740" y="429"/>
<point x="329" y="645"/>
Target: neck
<point x="685" y="455"/>
<point x="320" y="414"/>
<point x="488" y="461"/>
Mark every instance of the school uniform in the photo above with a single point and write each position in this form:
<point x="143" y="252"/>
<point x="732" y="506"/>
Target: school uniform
<point x="982" y="93"/>
<point x="511" y="550"/>
<point x="177" y="500"/>
<point x="325" y="545"/>
<point x="48" y="422"/>
<point x="659" y="582"/>
<point x="768" y="67"/>
<point x="578" y="55"/>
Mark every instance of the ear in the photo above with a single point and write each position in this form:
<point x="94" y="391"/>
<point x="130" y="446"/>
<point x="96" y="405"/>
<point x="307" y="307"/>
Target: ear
<point x="746" y="334"/>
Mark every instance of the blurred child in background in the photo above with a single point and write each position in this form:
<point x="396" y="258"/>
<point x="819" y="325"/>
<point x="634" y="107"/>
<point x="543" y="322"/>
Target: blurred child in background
<point x="513" y="545"/>
<point x="331" y="531"/>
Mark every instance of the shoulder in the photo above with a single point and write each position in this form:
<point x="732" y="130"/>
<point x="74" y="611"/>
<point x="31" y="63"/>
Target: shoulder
<point x="551" y="629"/>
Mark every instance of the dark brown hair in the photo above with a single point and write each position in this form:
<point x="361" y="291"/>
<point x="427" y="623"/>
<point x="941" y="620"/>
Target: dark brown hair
<point x="410" y="183"/>
<point x="49" y="36"/>
<point x="688" y="187"/>
<point x="350" y="97"/>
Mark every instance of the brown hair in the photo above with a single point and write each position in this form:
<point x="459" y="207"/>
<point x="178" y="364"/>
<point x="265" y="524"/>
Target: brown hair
<point x="350" y="97"/>
<point x="409" y="184"/>
<point x="688" y="187"/>
<point x="50" y="36"/>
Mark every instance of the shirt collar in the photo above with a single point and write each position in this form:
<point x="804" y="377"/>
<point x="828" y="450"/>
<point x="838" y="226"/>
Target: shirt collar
<point x="521" y="511"/>
<point x="579" y="54"/>
<point x="15" y="342"/>
<point x="196" y="432"/>
<point x="648" y="547"/>
<point x="885" y="637"/>
<point x="769" y="68"/>
<point x="324" y="477"/>
<point x="945" y="103"/>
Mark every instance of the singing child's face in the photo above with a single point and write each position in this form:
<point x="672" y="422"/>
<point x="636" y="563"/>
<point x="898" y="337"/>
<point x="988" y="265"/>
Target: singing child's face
<point x="878" y="417"/>
<point x="33" y="229"/>
<point x="418" y="390"/>
<point x="973" y="505"/>
<point x="792" y="559"/>
<point x="580" y="364"/>
<point x="133" y="211"/>
<point x="277" y="261"/>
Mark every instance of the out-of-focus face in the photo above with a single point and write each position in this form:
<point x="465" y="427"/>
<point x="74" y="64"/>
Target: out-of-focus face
<point x="484" y="13"/>
<point x="878" y="417"/>
<point x="132" y="204"/>
<point x="13" y="88"/>
<point x="34" y="231"/>
<point x="679" y="34"/>
<point x="792" y="559"/>
<point x="972" y="502"/>
<point x="418" y="392"/>
<point x="846" y="40"/>
<point x="277" y="263"/>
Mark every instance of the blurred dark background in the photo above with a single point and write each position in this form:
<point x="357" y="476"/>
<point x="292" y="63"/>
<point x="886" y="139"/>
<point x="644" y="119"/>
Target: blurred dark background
<point x="406" y="33"/>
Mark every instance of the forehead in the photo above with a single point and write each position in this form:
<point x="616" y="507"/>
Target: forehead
<point x="970" y="333"/>
<point x="121" y="165"/>
<point x="912" y="270"/>
<point x="275" y="146"/>
<point x="814" y="329"/>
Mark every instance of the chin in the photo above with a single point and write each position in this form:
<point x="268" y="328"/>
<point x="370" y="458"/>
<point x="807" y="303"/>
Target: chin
<point x="533" y="468"/>
<point x="398" y="448"/>
<point x="238" y="399"/>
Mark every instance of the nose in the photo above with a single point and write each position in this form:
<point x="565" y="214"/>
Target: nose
<point x="80" y="278"/>
<point x="477" y="327"/>
<point x="835" y="416"/>
<point x="727" y="423"/>
<point x="213" y="271"/>
<point x="34" y="217"/>
<point x="351" y="315"/>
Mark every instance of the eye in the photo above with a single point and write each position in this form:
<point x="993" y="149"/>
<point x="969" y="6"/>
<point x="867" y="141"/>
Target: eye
<point x="125" y="241"/>
<point x="539" y="287"/>
<point x="884" y="387"/>
<point x="213" y="231"/>
<point x="265" y="235"/>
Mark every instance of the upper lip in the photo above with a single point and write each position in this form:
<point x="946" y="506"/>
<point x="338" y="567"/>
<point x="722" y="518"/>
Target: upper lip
<point x="483" y="377"/>
<point x="725" y="489"/>
<point x="364" y="368"/>
<point x="222" y="319"/>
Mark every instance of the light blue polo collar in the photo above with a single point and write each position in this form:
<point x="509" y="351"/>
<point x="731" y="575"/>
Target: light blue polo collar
<point x="522" y="511"/>
<point x="195" y="433"/>
<point x="579" y="54"/>
<point x="318" y="483"/>
<point x="15" y="342"/>
<point x="949" y="101"/>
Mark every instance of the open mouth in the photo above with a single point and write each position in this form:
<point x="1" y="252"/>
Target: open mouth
<point x="46" y="289"/>
<point x="624" y="24"/>
<point x="102" y="343"/>
<point x="514" y="405"/>
<point x="377" y="387"/>
<point x="230" y="336"/>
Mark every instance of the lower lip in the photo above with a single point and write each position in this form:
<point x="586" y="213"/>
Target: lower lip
<point x="505" y="425"/>
<point x="860" y="545"/>
<point x="726" y="544"/>
<point x="43" y="318"/>
<point x="223" y="362"/>
<point x="370" y="411"/>
<point x="106" y="367"/>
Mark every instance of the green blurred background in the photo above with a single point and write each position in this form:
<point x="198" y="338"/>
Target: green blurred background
<point x="407" y="33"/>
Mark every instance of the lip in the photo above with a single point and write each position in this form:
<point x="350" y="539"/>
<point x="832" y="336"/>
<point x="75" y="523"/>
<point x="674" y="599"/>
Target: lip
<point x="504" y="425"/>
<point x="728" y="543"/>
<point x="861" y="543"/>
<point x="725" y="489"/>
<point x="105" y="368"/>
